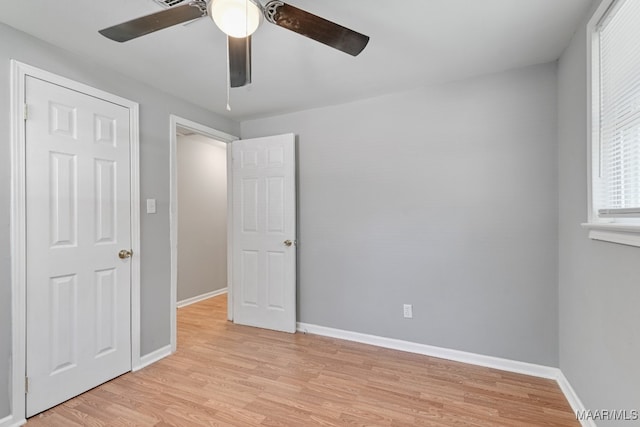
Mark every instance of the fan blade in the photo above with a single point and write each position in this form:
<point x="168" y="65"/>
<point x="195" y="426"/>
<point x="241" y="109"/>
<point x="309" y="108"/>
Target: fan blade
<point x="156" y="21"/>
<point x="315" y="27"/>
<point x="239" y="61"/>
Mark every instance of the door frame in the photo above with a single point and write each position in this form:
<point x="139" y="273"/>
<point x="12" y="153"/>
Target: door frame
<point x="19" y="73"/>
<point x="175" y="122"/>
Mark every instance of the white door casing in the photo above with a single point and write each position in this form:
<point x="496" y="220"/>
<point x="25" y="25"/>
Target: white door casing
<point x="264" y="232"/>
<point x="78" y="209"/>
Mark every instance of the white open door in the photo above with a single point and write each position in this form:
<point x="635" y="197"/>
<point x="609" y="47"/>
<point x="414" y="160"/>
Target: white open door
<point x="78" y="206"/>
<point x="264" y="232"/>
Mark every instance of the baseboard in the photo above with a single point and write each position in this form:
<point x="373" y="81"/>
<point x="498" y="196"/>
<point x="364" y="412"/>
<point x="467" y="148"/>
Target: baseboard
<point x="193" y="300"/>
<point x="8" y="421"/>
<point x="153" y="357"/>
<point x="508" y="365"/>
<point x="433" y="351"/>
<point x="573" y="399"/>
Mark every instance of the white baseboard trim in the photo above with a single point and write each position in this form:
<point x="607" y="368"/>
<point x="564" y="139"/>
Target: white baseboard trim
<point x="8" y="421"/>
<point x="429" y="350"/>
<point x="508" y="365"/>
<point x="573" y="399"/>
<point x="153" y="357"/>
<point x="193" y="300"/>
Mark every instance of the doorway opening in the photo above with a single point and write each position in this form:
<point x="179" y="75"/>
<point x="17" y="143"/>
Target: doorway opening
<point x="200" y="216"/>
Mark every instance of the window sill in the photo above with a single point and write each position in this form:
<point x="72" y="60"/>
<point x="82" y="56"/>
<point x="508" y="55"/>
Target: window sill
<point x="624" y="234"/>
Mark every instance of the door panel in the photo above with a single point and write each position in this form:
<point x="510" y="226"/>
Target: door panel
<point x="78" y="218"/>
<point x="249" y="278"/>
<point x="276" y="277"/>
<point x="106" y="304"/>
<point x="62" y="318"/>
<point x="106" y="204"/>
<point x="63" y="199"/>
<point x="275" y="204"/>
<point x="264" y="207"/>
<point x="249" y="207"/>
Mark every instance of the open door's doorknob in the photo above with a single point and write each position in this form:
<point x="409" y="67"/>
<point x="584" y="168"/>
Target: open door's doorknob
<point x="125" y="253"/>
<point x="288" y="243"/>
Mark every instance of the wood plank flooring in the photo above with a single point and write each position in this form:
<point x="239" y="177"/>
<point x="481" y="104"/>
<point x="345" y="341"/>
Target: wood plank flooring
<point x="229" y="375"/>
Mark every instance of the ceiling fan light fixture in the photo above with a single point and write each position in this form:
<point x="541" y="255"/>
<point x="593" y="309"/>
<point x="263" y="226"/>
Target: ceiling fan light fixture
<point x="236" y="18"/>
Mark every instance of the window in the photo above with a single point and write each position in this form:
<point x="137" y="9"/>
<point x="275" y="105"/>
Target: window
<point x="614" y="39"/>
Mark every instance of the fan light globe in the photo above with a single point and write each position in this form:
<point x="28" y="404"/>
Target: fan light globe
<point x="236" y="18"/>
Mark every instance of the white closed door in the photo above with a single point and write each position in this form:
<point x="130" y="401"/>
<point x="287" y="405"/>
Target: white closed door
<point x="264" y="232"/>
<point x="78" y="219"/>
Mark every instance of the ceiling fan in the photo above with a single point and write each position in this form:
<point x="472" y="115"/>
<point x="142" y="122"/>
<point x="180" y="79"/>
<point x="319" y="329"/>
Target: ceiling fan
<point x="239" y="19"/>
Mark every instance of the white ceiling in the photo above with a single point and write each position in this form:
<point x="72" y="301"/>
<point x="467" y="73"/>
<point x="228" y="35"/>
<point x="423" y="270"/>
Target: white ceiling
<point x="413" y="43"/>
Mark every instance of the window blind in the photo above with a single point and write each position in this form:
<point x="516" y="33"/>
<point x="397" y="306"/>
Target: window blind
<point x="619" y="118"/>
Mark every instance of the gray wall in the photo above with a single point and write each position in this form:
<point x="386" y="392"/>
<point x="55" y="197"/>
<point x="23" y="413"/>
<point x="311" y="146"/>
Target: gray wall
<point x="155" y="108"/>
<point x="444" y="198"/>
<point x="599" y="281"/>
<point x="202" y="216"/>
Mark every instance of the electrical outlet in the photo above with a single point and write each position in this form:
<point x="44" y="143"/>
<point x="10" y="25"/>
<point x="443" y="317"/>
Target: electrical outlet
<point x="408" y="311"/>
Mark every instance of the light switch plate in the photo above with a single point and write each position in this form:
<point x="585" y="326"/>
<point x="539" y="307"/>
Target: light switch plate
<point x="151" y="206"/>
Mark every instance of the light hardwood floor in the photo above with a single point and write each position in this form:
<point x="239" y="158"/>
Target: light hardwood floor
<point x="229" y="375"/>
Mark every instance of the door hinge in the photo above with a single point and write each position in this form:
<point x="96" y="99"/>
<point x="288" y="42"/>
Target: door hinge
<point x="26" y="385"/>
<point x="26" y="111"/>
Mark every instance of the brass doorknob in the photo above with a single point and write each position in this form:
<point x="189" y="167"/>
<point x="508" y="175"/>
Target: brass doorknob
<point x="288" y="243"/>
<point x="125" y="253"/>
